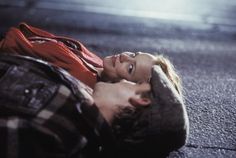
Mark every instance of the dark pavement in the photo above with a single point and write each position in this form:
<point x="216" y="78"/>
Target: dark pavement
<point x="199" y="37"/>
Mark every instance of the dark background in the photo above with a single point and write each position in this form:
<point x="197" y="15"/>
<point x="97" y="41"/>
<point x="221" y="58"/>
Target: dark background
<point x="198" y="36"/>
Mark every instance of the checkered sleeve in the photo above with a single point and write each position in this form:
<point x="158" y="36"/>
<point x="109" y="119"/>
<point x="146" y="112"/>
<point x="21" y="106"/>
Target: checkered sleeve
<point x="20" y="140"/>
<point x="52" y="132"/>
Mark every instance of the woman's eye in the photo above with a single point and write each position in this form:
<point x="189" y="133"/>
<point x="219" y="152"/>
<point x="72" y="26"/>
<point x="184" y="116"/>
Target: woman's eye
<point x="130" y="69"/>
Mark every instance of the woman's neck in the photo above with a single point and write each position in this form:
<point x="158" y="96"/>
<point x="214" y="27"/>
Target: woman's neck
<point x="99" y="71"/>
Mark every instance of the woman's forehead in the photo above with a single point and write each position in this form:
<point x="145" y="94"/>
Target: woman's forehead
<point x="143" y="65"/>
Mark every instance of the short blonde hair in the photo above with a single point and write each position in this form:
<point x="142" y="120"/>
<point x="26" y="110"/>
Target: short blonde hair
<point x="169" y="69"/>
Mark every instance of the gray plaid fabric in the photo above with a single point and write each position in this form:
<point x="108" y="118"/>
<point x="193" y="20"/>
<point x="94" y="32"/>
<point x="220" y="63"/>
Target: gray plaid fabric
<point x="43" y="113"/>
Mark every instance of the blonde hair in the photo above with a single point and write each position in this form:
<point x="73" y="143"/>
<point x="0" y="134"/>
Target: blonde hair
<point x="169" y="69"/>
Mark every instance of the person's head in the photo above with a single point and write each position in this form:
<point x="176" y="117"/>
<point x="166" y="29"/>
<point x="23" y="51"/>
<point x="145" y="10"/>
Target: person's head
<point x="157" y="129"/>
<point x="136" y="67"/>
<point x="113" y="98"/>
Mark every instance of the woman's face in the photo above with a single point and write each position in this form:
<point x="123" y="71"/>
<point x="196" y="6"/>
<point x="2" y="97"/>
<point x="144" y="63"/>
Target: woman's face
<point x="134" y="67"/>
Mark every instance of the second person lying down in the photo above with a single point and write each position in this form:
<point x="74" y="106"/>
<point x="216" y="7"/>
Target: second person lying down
<point x="73" y="56"/>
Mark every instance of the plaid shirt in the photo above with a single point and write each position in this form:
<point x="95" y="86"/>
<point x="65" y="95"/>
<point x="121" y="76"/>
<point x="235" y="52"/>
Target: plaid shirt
<point x="42" y="116"/>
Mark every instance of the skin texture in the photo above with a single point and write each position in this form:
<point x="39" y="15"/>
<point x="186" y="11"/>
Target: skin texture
<point x="134" y="67"/>
<point x="111" y="98"/>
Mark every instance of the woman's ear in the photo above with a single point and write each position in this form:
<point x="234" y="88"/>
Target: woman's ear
<point x="140" y="101"/>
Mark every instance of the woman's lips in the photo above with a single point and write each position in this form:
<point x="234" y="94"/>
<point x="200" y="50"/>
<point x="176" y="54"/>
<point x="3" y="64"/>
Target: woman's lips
<point x="113" y="58"/>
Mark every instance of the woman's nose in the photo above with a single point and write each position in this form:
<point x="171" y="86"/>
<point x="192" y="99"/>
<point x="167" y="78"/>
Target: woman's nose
<point x="124" y="57"/>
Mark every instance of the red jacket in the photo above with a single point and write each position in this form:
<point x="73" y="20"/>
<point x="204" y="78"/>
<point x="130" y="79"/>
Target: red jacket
<point x="63" y="52"/>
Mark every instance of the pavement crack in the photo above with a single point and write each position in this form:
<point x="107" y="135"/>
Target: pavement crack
<point x="209" y="147"/>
